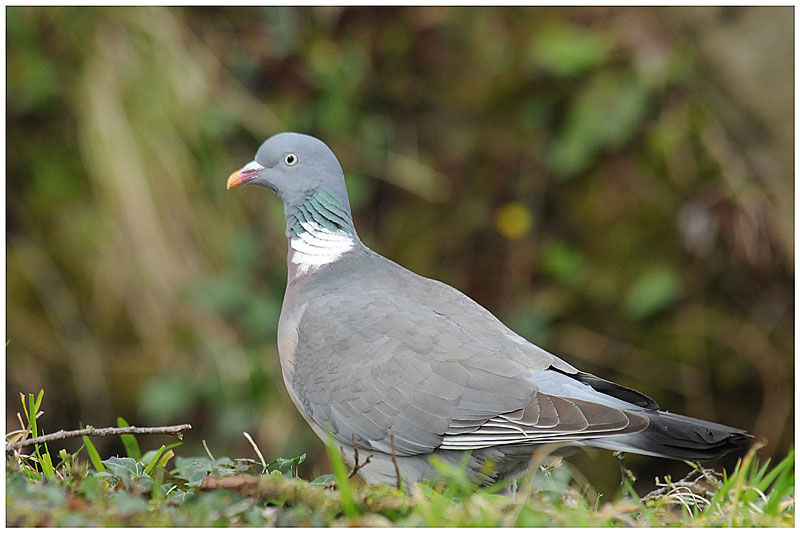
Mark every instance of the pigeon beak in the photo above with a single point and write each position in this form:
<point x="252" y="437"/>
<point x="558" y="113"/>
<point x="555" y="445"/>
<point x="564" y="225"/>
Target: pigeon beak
<point x="246" y="174"/>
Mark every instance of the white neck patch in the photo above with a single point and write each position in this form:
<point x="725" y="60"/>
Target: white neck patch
<point x="318" y="246"/>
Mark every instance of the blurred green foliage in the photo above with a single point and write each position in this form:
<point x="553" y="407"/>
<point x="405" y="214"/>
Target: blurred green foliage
<point x="576" y="171"/>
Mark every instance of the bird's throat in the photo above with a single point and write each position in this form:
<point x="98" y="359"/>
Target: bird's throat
<point x="320" y="231"/>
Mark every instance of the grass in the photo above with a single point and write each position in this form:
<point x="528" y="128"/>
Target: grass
<point x="160" y="488"/>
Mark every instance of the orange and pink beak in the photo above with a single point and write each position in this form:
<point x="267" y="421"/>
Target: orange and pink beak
<point x="246" y="174"/>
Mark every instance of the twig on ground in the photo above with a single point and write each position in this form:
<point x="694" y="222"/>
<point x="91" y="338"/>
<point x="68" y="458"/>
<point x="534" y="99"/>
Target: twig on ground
<point x="394" y="460"/>
<point x="624" y="472"/>
<point x="98" y="432"/>
<point x="205" y="445"/>
<point x="357" y="466"/>
<point x="698" y="486"/>
<point x="258" y="452"/>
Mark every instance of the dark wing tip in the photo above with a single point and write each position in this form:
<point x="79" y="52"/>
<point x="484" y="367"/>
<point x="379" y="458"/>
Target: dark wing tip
<point x="612" y="389"/>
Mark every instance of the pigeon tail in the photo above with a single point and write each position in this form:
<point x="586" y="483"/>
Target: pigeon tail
<point x="679" y="437"/>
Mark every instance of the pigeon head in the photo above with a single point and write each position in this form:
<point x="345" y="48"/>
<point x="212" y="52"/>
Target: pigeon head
<point x="305" y="174"/>
<point x="295" y="166"/>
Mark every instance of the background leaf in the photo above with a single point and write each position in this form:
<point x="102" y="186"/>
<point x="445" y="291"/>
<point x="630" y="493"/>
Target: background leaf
<point x="652" y="292"/>
<point x="129" y="441"/>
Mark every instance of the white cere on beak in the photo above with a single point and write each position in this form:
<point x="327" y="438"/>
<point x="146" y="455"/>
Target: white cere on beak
<point x="252" y="166"/>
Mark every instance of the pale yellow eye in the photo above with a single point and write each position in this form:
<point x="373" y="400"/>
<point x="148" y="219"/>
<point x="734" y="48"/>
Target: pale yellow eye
<point x="290" y="159"/>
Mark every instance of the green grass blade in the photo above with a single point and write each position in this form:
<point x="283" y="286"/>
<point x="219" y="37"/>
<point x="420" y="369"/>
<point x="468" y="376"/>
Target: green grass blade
<point x="169" y="454"/>
<point x="31" y="473"/>
<point x="342" y="483"/>
<point x="156" y="494"/>
<point x="148" y="455"/>
<point x="129" y="441"/>
<point x="34" y="427"/>
<point x="31" y="413"/>
<point x="775" y="472"/>
<point x="759" y="476"/>
<point x="784" y="484"/>
<point x="65" y="458"/>
<point x="25" y="408"/>
<point x="47" y="466"/>
<point x="628" y="489"/>
<point x="94" y="457"/>
<point x="154" y="460"/>
<point x="47" y="452"/>
<point x="38" y="403"/>
<point x="738" y="492"/>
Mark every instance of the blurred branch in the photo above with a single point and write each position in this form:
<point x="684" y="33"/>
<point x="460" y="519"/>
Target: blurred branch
<point x="98" y="432"/>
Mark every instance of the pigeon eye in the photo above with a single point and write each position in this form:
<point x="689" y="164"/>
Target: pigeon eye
<point x="290" y="159"/>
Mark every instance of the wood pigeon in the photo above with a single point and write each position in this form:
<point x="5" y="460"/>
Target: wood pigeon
<point x="374" y="354"/>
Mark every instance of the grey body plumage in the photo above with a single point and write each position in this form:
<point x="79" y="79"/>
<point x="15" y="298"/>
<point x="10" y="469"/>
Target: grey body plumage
<point x="371" y="351"/>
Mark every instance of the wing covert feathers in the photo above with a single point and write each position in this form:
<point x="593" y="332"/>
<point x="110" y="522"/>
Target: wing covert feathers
<point x="546" y="419"/>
